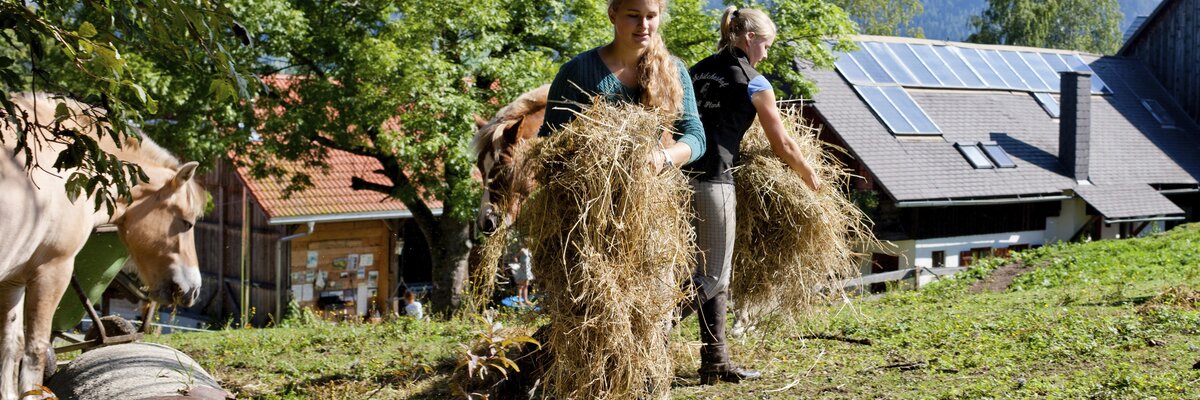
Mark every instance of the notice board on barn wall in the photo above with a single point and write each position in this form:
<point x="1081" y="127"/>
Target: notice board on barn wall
<point x="342" y="267"/>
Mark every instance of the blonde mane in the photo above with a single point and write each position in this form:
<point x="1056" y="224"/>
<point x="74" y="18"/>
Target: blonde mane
<point x="490" y="133"/>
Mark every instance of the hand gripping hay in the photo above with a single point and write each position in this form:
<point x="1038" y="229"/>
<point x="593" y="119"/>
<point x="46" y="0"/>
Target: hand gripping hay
<point x="611" y="242"/>
<point x="793" y="246"/>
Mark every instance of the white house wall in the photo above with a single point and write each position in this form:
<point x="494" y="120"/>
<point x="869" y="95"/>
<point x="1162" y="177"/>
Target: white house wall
<point x="919" y="253"/>
<point x="954" y="245"/>
<point x="1070" y="218"/>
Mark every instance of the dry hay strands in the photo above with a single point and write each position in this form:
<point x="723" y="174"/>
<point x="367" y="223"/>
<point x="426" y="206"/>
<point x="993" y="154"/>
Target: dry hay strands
<point x="483" y="274"/>
<point x="612" y="242"/>
<point x="794" y="246"/>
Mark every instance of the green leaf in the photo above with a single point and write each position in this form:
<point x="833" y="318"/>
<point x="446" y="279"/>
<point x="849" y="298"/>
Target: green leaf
<point x="75" y="185"/>
<point x="86" y="30"/>
<point x="220" y="89"/>
<point x="61" y="112"/>
<point x="138" y="91"/>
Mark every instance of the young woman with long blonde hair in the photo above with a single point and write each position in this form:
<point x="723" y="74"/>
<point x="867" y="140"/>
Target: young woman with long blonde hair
<point x="635" y="67"/>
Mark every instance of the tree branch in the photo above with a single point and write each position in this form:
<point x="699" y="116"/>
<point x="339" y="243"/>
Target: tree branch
<point x="309" y="63"/>
<point x="356" y="150"/>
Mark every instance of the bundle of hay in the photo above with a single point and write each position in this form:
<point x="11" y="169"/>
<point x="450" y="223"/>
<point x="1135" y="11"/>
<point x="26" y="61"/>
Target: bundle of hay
<point x="611" y="242"/>
<point x="485" y="269"/>
<point x="793" y="246"/>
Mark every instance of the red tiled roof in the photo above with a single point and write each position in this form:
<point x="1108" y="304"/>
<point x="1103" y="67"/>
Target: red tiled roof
<point x="330" y="193"/>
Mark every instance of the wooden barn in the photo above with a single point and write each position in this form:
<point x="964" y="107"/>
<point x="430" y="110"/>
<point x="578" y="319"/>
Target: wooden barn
<point x="328" y="247"/>
<point x="1168" y="43"/>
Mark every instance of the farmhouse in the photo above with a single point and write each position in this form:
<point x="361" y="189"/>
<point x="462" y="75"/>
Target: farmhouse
<point x="968" y="150"/>
<point x="339" y="248"/>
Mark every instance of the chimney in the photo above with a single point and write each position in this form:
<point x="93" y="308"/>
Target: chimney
<point x="1075" y="124"/>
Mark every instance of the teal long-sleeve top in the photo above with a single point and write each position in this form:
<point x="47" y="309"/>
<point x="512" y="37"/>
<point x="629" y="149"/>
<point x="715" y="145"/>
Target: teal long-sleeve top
<point x="588" y="72"/>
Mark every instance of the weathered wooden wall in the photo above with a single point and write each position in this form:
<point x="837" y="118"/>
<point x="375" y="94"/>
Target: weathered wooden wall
<point x="1170" y="46"/>
<point x="219" y="249"/>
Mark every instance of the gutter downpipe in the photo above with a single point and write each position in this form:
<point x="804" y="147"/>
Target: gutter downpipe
<point x="279" y="286"/>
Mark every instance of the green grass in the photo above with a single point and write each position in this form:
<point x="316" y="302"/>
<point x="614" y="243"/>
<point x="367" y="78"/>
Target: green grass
<point x="1101" y="320"/>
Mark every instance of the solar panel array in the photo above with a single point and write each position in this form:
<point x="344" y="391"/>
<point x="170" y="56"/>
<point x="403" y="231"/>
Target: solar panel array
<point x="939" y="66"/>
<point x="880" y="71"/>
<point x="898" y="110"/>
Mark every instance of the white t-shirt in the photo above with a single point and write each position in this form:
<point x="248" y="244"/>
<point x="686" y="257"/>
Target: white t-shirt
<point x="414" y="310"/>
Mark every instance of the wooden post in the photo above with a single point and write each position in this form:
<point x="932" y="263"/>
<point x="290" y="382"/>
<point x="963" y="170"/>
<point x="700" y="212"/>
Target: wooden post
<point x="245" y="261"/>
<point x="221" y="239"/>
<point x="916" y="277"/>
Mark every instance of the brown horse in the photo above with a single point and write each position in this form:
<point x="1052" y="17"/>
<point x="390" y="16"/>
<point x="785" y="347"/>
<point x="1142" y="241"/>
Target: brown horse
<point x="42" y="230"/>
<point x="495" y="145"/>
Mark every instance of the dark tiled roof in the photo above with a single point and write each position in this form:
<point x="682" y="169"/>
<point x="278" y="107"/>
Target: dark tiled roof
<point x="1128" y="145"/>
<point x="1127" y="201"/>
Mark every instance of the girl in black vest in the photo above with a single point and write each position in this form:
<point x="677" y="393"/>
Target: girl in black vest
<point x="729" y="94"/>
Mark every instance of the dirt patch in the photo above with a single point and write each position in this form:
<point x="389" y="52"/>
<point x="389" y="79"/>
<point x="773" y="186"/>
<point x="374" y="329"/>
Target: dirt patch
<point x="1000" y="279"/>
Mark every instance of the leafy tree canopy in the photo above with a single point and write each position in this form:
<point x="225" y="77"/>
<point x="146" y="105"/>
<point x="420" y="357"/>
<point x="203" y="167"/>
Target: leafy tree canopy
<point x="885" y="17"/>
<point x="398" y="81"/>
<point x="162" y="64"/>
<point x="1083" y="25"/>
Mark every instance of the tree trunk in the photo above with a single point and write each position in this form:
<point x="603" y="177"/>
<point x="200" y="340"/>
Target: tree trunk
<point x="450" y="251"/>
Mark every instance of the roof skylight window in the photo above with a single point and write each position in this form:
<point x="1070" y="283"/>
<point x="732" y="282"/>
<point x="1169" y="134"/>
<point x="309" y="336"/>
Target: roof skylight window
<point x="985" y="155"/>
<point x="1048" y="103"/>
<point x="997" y="155"/>
<point x="1160" y="114"/>
<point x="974" y="155"/>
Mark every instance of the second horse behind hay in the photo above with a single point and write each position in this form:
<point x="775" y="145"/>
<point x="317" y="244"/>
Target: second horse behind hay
<point x="496" y="146"/>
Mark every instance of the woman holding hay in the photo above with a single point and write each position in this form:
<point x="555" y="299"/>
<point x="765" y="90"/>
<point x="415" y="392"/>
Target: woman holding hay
<point x="634" y="67"/>
<point x="731" y="93"/>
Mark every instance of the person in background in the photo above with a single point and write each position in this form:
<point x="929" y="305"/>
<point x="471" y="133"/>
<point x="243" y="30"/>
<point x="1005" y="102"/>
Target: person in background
<point x="412" y="307"/>
<point x="731" y="93"/>
<point x="523" y="274"/>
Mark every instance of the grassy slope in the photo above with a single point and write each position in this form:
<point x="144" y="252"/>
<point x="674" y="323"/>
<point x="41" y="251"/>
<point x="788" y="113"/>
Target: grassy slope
<point x="1091" y="322"/>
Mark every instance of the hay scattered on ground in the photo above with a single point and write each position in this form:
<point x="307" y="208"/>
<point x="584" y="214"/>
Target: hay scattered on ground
<point x="793" y="245"/>
<point x="611" y="242"/>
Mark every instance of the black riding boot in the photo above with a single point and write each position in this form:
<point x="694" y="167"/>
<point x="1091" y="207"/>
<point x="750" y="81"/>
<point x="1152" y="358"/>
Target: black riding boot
<point x="714" y="355"/>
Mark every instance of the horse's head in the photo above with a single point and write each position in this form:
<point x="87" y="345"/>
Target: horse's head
<point x="157" y="229"/>
<point x="496" y="155"/>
